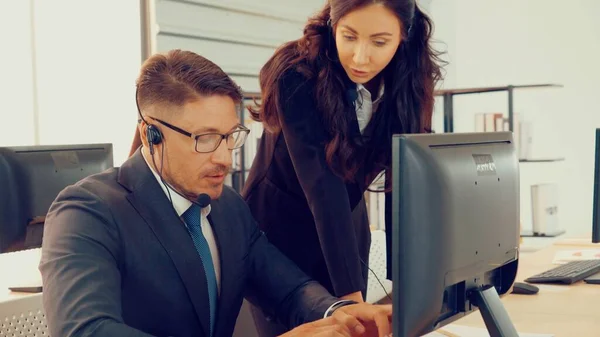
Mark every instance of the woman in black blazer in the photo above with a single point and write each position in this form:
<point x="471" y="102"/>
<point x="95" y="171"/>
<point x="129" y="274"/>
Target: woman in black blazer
<point x="331" y="101"/>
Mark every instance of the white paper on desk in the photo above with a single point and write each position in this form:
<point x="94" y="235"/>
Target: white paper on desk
<point x="564" y="256"/>
<point x="22" y="267"/>
<point x="551" y="288"/>
<point x="467" y="331"/>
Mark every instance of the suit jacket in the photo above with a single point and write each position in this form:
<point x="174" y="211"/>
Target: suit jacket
<point x="308" y="212"/>
<point x="117" y="261"/>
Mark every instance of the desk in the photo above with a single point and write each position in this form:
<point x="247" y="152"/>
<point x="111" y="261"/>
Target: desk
<point x="562" y="310"/>
<point x="19" y="269"/>
<point x="565" y="311"/>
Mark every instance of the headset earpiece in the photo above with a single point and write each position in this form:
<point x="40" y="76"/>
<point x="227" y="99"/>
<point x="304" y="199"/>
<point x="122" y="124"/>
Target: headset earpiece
<point x="153" y="134"/>
<point x="154" y="137"/>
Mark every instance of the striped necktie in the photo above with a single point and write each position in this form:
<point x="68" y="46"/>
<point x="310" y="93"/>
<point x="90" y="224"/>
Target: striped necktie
<point x="192" y="219"/>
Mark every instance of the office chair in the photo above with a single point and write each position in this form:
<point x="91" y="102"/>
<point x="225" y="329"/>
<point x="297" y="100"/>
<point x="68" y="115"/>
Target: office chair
<point x="244" y="326"/>
<point x="23" y="316"/>
<point x="377" y="264"/>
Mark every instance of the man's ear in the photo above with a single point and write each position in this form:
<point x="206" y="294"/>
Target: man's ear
<point x="138" y="139"/>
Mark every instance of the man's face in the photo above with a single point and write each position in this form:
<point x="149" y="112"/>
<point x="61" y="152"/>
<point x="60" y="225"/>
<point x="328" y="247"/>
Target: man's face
<point x="190" y="172"/>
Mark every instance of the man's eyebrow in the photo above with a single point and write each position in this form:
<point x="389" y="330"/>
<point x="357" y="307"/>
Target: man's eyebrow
<point x="205" y="130"/>
<point x="213" y="130"/>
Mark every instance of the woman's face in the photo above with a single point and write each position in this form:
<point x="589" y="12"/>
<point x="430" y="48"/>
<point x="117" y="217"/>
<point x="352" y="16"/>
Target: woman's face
<point x="367" y="39"/>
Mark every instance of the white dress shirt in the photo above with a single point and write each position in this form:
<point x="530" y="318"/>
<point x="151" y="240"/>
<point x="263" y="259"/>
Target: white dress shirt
<point x="365" y="105"/>
<point x="181" y="204"/>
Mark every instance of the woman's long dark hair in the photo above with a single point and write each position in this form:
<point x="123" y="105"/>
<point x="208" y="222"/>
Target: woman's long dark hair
<point x="409" y="78"/>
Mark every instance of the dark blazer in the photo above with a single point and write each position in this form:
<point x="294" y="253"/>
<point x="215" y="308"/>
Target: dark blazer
<point x="118" y="261"/>
<point x="307" y="211"/>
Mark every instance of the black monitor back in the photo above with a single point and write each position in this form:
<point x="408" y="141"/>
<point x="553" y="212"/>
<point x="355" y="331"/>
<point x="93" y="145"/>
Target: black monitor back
<point x="455" y="219"/>
<point x="596" y="196"/>
<point x="36" y="174"/>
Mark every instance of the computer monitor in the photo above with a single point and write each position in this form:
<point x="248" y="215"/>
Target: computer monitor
<point x="455" y="218"/>
<point x="38" y="174"/>
<point x="596" y="200"/>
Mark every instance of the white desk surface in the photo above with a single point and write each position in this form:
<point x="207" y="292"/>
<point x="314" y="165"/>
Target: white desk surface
<point x="562" y="310"/>
<point x="19" y="269"/>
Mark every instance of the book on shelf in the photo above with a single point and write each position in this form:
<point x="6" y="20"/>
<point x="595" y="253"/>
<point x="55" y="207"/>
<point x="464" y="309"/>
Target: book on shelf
<point x="496" y="122"/>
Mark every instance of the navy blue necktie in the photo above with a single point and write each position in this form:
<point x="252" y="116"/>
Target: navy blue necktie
<point x="192" y="219"/>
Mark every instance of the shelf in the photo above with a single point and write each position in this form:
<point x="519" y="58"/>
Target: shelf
<point x="448" y="99"/>
<point x="465" y="91"/>
<point x="252" y="95"/>
<point x="529" y="233"/>
<point x="541" y="160"/>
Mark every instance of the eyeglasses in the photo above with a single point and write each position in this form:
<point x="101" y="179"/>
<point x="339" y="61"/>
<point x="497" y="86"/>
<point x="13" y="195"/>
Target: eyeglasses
<point x="209" y="142"/>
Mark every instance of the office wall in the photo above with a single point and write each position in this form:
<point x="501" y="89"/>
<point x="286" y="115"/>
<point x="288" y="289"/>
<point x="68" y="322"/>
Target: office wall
<point x="86" y="68"/>
<point x="443" y="14"/>
<point x="534" y="41"/>
<point x="16" y="77"/>
<point x="69" y="74"/>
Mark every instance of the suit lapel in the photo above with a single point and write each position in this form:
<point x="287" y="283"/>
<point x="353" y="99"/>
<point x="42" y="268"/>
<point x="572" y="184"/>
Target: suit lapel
<point x="153" y="205"/>
<point x="221" y="221"/>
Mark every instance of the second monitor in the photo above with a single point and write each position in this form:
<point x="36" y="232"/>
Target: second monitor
<point x="455" y="220"/>
<point x="32" y="178"/>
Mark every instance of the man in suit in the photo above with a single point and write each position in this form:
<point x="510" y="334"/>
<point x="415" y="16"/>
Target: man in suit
<point x="160" y="247"/>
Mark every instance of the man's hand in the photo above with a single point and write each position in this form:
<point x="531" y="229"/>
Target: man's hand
<point x="327" y="327"/>
<point x="376" y="319"/>
<point x="356" y="297"/>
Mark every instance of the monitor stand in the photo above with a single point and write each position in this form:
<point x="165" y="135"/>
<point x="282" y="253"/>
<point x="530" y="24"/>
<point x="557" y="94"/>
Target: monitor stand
<point x="494" y="315"/>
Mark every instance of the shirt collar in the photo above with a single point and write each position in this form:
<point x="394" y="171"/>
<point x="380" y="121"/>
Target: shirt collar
<point x="363" y="90"/>
<point x="180" y="204"/>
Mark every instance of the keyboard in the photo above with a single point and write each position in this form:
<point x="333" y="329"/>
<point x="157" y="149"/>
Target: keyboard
<point x="567" y="273"/>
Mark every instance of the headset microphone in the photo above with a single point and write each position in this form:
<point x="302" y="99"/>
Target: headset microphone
<point x="203" y="200"/>
<point x="351" y="95"/>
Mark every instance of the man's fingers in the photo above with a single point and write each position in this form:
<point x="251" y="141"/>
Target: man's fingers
<point x="349" y="321"/>
<point x="386" y="309"/>
<point x="379" y="315"/>
<point x="383" y="324"/>
<point x="326" y="327"/>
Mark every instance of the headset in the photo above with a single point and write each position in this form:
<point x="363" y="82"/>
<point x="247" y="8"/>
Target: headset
<point x="155" y="137"/>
